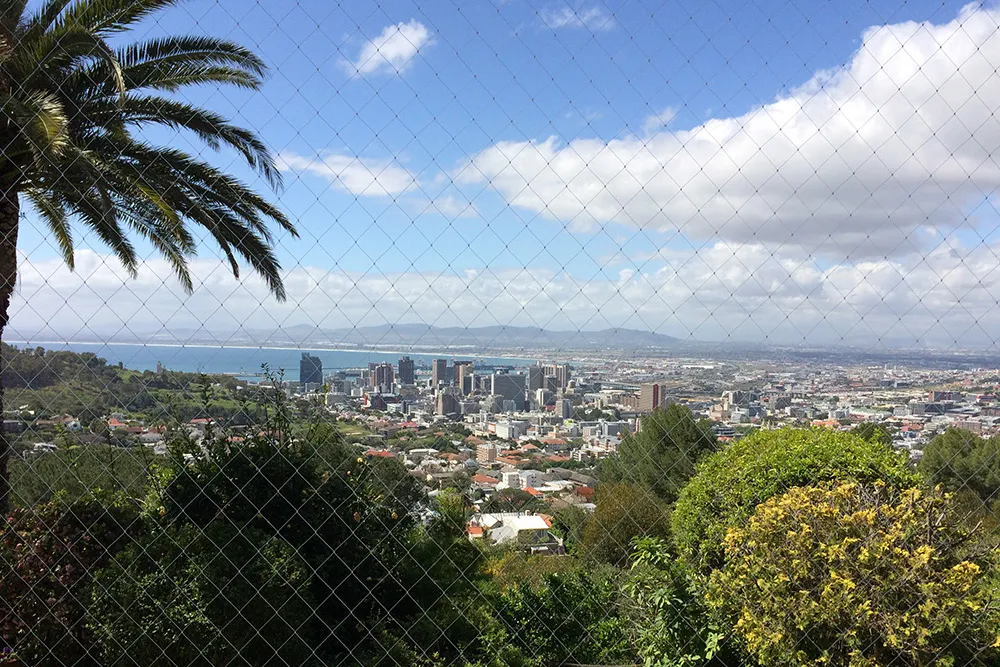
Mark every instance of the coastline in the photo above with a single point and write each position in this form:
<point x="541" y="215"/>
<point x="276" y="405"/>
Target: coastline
<point x="282" y="348"/>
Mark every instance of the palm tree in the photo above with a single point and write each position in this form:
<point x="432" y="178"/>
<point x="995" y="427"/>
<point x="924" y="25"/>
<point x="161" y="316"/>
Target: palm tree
<point x="73" y="104"/>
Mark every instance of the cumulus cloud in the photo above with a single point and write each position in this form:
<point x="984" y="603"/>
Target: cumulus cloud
<point x="392" y="51"/>
<point x="593" y="18"/>
<point x="356" y="175"/>
<point x="658" y="121"/>
<point x="721" y="291"/>
<point x="872" y="159"/>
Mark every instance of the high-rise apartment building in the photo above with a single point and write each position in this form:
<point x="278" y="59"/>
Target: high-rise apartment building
<point x="406" y="371"/>
<point x="310" y="371"/>
<point x="650" y="397"/>
<point x="439" y="372"/>
<point x="381" y="377"/>
<point x="463" y="376"/>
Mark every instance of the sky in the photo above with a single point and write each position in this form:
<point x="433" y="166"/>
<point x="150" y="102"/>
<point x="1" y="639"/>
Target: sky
<point x="787" y="172"/>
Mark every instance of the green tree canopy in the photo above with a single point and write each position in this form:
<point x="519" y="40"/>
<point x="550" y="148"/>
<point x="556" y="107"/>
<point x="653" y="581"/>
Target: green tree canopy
<point x="663" y="454"/>
<point x="961" y="460"/>
<point x="624" y="512"/>
<point x="732" y="482"/>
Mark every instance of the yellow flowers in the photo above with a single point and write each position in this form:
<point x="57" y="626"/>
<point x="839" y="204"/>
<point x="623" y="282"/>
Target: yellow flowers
<point x="839" y="574"/>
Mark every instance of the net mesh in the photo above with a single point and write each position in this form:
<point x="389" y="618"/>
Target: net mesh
<point x="512" y="333"/>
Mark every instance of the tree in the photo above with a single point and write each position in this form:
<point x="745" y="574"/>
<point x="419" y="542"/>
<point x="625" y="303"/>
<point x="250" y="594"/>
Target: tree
<point x="513" y="500"/>
<point x="857" y="575"/>
<point x="72" y="144"/>
<point x="623" y="513"/>
<point x="213" y="595"/>
<point x="347" y="518"/>
<point x="873" y="431"/>
<point x="961" y="460"/>
<point x="732" y="482"/>
<point x="662" y="455"/>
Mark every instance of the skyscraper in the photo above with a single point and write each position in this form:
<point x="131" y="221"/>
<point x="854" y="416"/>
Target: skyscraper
<point x="439" y="372"/>
<point x="406" y="371"/>
<point x="310" y="370"/>
<point x="650" y="397"/>
<point x="509" y="387"/>
<point x="382" y="377"/>
<point x="536" y="377"/>
<point x="560" y="371"/>
<point x="463" y="376"/>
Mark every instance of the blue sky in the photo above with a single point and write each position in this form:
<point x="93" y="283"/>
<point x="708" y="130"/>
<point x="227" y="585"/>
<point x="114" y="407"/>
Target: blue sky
<point x="515" y="74"/>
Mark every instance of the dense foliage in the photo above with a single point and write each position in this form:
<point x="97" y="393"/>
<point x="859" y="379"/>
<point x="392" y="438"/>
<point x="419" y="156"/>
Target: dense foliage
<point x="731" y="483"/>
<point x="663" y="454"/>
<point x="79" y="472"/>
<point x="624" y="512"/>
<point x="963" y="461"/>
<point x="858" y="575"/>
<point x="211" y="595"/>
<point x="48" y="556"/>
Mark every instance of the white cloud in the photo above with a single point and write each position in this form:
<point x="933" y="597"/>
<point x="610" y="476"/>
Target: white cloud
<point x="360" y="176"/>
<point x="720" y="291"/>
<point x="868" y="160"/>
<point x="658" y="121"/>
<point x="392" y="51"/>
<point x="593" y="18"/>
<point x="450" y="207"/>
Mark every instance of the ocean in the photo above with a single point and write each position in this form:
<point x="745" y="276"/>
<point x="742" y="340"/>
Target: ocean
<point x="247" y="361"/>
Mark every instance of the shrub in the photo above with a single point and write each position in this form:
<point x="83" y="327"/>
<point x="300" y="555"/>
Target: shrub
<point x="731" y="483"/>
<point x="571" y="616"/>
<point x="856" y="575"/>
<point x="670" y="621"/>
<point x="624" y="512"/>
<point x="48" y="555"/>
<point x="204" y="597"/>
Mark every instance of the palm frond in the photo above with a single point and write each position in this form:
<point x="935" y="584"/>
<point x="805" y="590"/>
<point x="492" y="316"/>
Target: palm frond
<point x="210" y="127"/>
<point x="41" y="124"/>
<point x="107" y="16"/>
<point x="45" y="63"/>
<point x="191" y="50"/>
<point x="54" y="213"/>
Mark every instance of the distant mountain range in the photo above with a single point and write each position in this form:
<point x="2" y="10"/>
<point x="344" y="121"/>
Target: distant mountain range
<point x="523" y="341"/>
<point x="425" y="336"/>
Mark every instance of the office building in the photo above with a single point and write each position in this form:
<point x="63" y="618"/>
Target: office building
<point x="439" y="372"/>
<point x="310" y="371"/>
<point x="564" y="408"/>
<point x="559" y="371"/>
<point x="509" y="387"/>
<point x="463" y="376"/>
<point x="406" y="371"/>
<point x="536" y="377"/>
<point x="650" y="397"/>
<point x="381" y="377"/>
<point x="447" y="403"/>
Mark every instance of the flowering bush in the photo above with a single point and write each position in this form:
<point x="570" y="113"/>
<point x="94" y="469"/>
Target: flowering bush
<point x="860" y="576"/>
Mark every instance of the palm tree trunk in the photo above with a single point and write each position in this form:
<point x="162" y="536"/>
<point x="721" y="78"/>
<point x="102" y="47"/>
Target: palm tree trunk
<point x="9" y="214"/>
